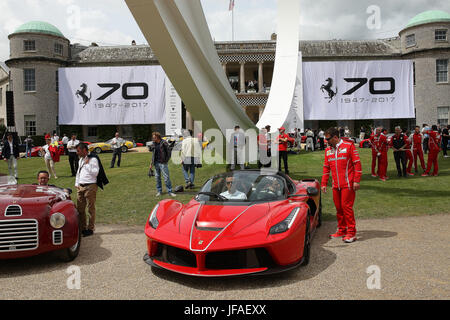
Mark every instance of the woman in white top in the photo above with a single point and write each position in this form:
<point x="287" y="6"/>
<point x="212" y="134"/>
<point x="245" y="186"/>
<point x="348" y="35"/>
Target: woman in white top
<point x="48" y="159"/>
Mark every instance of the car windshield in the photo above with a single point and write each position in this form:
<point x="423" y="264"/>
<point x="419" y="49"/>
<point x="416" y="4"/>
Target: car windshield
<point x="7" y="180"/>
<point x="243" y="186"/>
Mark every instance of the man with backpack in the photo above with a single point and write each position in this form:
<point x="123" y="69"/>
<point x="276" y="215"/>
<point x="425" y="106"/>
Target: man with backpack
<point x="160" y="160"/>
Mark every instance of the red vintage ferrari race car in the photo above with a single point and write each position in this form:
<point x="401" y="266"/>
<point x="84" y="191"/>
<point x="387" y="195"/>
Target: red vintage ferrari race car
<point x="36" y="219"/>
<point x="240" y="223"/>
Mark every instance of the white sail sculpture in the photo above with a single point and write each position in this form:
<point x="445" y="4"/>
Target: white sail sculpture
<point x="178" y="34"/>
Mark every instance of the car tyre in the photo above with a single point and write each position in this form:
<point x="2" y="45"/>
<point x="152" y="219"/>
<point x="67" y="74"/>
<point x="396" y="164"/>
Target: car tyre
<point x="69" y="254"/>
<point x="98" y="150"/>
<point x="306" y="244"/>
<point x="124" y="149"/>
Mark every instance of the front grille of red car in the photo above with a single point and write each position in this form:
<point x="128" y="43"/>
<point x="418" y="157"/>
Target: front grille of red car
<point x="175" y="256"/>
<point x="18" y="235"/>
<point x="239" y="259"/>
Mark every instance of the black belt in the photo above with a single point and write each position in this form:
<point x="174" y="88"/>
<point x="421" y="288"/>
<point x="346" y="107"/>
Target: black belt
<point x="85" y="184"/>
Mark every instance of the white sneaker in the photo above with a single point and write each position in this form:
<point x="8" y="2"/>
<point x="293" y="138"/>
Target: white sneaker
<point x="172" y="194"/>
<point x="158" y="194"/>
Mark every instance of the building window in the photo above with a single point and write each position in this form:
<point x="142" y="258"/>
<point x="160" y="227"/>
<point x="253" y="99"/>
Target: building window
<point x="442" y="70"/>
<point x="92" y="131"/>
<point x="29" y="45"/>
<point x="442" y="115"/>
<point x="59" y="48"/>
<point x="30" y="125"/>
<point x="410" y="40"/>
<point x="57" y="81"/>
<point x="29" y="80"/>
<point x="440" y="35"/>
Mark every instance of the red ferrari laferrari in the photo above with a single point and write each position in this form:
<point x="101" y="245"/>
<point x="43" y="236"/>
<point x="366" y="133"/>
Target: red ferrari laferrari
<point x="240" y="223"/>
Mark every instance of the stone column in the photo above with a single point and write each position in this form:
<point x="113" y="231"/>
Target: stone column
<point x="260" y="77"/>
<point x="242" y="78"/>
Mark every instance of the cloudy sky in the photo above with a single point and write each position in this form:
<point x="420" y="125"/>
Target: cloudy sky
<point x="109" y="22"/>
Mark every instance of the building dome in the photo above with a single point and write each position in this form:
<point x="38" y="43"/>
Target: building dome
<point x="428" y="17"/>
<point x="39" y="27"/>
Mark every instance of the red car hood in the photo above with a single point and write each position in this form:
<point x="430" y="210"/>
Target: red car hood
<point x="201" y="225"/>
<point x="27" y="195"/>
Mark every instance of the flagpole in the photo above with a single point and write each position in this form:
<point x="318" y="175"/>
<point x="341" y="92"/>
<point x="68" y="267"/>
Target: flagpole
<point x="232" y="23"/>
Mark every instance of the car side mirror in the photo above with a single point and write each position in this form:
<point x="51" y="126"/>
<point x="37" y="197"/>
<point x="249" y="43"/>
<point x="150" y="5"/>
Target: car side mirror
<point x="312" y="191"/>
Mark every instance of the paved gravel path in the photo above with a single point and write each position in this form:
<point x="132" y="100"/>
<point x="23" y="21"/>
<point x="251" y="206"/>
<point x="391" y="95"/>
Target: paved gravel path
<point x="413" y="256"/>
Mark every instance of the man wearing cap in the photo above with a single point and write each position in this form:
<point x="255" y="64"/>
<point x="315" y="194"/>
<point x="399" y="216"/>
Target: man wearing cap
<point x="283" y="140"/>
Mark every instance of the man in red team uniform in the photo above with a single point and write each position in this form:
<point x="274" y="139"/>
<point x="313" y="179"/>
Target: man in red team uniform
<point x="434" y="143"/>
<point x="417" y="143"/>
<point x="342" y="161"/>
<point x="374" y="137"/>
<point x="409" y="156"/>
<point x="382" y="148"/>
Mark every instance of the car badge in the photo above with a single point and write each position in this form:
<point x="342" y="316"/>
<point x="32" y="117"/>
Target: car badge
<point x="200" y="242"/>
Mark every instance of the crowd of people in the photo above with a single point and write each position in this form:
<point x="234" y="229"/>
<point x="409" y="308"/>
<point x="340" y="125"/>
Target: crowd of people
<point x="339" y="149"/>
<point x="407" y="149"/>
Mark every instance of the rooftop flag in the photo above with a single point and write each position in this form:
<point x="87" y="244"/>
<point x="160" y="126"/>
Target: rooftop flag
<point x="231" y="6"/>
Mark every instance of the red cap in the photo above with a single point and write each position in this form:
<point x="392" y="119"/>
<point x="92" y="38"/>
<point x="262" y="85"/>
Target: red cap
<point x="282" y="129"/>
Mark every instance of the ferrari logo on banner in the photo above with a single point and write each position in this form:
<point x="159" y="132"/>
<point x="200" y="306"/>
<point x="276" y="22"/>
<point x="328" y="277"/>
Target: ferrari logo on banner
<point x="350" y="90"/>
<point x="112" y="95"/>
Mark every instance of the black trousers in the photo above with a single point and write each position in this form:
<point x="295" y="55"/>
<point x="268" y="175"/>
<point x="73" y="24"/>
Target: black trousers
<point x="73" y="161"/>
<point x="116" y="153"/>
<point x="425" y="145"/>
<point x="444" y="146"/>
<point x="400" y="157"/>
<point x="322" y="143"/>
<point x="283" y="155"/>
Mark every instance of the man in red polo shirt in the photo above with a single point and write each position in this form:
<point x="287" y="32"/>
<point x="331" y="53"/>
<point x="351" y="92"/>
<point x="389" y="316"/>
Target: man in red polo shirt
<point x="417" y="144"/>
<point x="434" y="146"/>
<point x="283" y="140"/>
<point x="375" y="153"/>
<point x="383" y="146"/>
<point x="342" y="161"/>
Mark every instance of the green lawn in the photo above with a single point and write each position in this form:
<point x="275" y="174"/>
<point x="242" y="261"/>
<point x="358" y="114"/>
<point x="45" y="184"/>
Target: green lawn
<point x="130" y="195"/>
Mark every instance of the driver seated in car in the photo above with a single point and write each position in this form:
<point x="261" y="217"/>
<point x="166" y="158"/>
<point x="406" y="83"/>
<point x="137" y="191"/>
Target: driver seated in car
<point x="232" y="193"/>
<point x="43" y="177"/>
<point x="273" y="186"/>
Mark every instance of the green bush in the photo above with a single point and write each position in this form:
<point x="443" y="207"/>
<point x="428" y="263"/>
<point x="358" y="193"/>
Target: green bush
<point x="105" y="133"/>
<point x="69" y="130"/>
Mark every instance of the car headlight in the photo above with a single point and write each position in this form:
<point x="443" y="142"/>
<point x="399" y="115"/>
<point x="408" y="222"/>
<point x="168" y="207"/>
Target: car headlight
<point x="153" y="220"/>
<point x="57" y="220"/>
<point x="286" y="224"/>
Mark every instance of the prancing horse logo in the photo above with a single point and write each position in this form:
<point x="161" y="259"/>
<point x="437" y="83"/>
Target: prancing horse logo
<point x="327" y="87"/>
<point x="82" y="93"/>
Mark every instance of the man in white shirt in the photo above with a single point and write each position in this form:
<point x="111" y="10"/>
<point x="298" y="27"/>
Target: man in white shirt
<point x="65" y="140"/>
<point x="10" y="153"/>
<point x="190" y="153"/>
<point x="86" y="184"/>
<point x="55" y="137"/>
<point x="232" y="193"/>
<point x="73" y="157"/>
<point x="238" y="148"/>
<point x="116" y="146"/>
